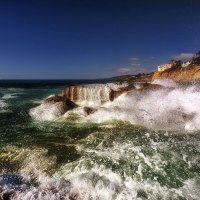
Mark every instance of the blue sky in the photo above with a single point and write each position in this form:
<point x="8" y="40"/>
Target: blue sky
<point x="72" y="39"/>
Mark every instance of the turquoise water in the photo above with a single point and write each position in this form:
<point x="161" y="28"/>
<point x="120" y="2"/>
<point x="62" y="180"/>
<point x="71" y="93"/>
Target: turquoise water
<point x="73" y="160"/>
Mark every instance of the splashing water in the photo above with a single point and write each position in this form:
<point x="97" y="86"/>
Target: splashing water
<point x="166" y="109"/>
<point x="111" y="159"/>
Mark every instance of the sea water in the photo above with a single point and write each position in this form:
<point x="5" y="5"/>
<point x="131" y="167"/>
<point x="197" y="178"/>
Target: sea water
<point x="128" y="149"/>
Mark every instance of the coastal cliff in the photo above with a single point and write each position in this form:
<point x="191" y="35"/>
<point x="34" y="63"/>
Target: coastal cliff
<point x="187" y="74"/>
<point x="179" y="74"/>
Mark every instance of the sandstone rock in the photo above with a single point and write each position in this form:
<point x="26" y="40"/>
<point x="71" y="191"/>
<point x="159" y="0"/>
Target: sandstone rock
<point x="183" y="74"/>
<point x="94" y="92"/>
<point x="101" y="93"/>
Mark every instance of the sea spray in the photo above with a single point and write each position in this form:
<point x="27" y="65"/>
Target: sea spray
<point x="110" y="160"/>
<point x="171" y="107"/>
<point x="164" y="109"/>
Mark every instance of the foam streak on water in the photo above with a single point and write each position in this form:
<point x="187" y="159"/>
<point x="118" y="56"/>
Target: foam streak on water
<point x="113" y="159"/>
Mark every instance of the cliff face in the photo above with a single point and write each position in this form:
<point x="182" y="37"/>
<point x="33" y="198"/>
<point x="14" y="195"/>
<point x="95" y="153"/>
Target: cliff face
<point x="94" y="92"/>
<point x="186" y="74"/>
<point x="101" y="93"/>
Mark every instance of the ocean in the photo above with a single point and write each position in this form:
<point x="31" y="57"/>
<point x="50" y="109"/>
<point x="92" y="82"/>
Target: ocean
<point x="140" y="146"/>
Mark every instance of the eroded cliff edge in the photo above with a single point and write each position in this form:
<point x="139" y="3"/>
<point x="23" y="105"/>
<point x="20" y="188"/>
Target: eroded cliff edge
<point x="187" y="74"/>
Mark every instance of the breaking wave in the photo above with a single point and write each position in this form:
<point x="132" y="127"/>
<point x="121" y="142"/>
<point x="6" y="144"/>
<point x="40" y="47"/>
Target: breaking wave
<point x="172" y="107"/>
<point x="166" y="109"/>
<point x="111" y="160"/>
<point x="119" y="171"/>
<point x="2" y="104"/>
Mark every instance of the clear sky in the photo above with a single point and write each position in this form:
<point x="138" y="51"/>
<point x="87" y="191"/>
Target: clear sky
<point x="72" y="39"/>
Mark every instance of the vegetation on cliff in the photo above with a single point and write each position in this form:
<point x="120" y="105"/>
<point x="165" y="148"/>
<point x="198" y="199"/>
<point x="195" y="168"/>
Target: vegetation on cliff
<point x="179" y="73"/>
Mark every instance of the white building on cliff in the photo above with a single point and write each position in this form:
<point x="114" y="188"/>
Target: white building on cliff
<point x="164" y="67"/>
<point x="186" y="64"/>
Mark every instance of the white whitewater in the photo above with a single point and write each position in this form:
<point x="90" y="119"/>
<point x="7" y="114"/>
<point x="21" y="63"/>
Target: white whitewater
<point x="171" y="108"/>
<point x="84" y="179"/>
<point x="165" y="109"/>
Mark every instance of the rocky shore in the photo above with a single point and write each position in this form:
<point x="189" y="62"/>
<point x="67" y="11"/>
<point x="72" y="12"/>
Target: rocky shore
<point x="85" y="99"/>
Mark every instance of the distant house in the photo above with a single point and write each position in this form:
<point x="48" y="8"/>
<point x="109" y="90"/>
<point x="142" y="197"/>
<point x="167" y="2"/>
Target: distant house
<point x="164" y="67"/>
<point x="186" y="64"/>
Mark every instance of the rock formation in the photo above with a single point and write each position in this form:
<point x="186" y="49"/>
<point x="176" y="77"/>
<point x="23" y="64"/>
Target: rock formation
<point x="52" y="108"/>
<point x="63" y="101"/>
<point x="86" y="98"/>
<point x="101" y="92"/>
<point x="183" y="74"/>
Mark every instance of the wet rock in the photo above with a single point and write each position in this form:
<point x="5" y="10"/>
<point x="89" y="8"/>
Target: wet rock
<point x="89" y="110"/>
<point x="74" y="195"/>
<point x="62" y="103"/>
<point x="149" y="86"/>
<point x="90" y="92"/>
<point x="63" y="100"/>
<point x="6" y="195"/>
<point x="94" y="92"/>
<point x="52" y="108"/>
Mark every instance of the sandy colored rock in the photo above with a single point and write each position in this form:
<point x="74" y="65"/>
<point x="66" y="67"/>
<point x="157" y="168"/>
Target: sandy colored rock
<point x="186" y="74"/>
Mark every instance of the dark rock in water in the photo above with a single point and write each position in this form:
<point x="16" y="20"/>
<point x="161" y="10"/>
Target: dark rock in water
<point x="116" y="93"/>
<point x="89" y="110"/>
<point x="151" y="87"/>
<point x="6" y="195"/>
<point x="62" y="101"/>
<point x="132" y="87"/>
<point x="52" y="108"/>
<point x="74" y="195"/>
<point x="55" y="99"/>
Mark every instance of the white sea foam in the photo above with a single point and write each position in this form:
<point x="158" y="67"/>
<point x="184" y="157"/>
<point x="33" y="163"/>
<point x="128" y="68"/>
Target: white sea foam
<point x="170" y="108"/>
<point x="103" y="184"/>
<point x="2" y="104"/>
<point x="85" y="179"/>
<point x="165" y="82"/>
<point x="10" y="96"/>
<point x="46" y="112"/>
<point x="167" y="109"/>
